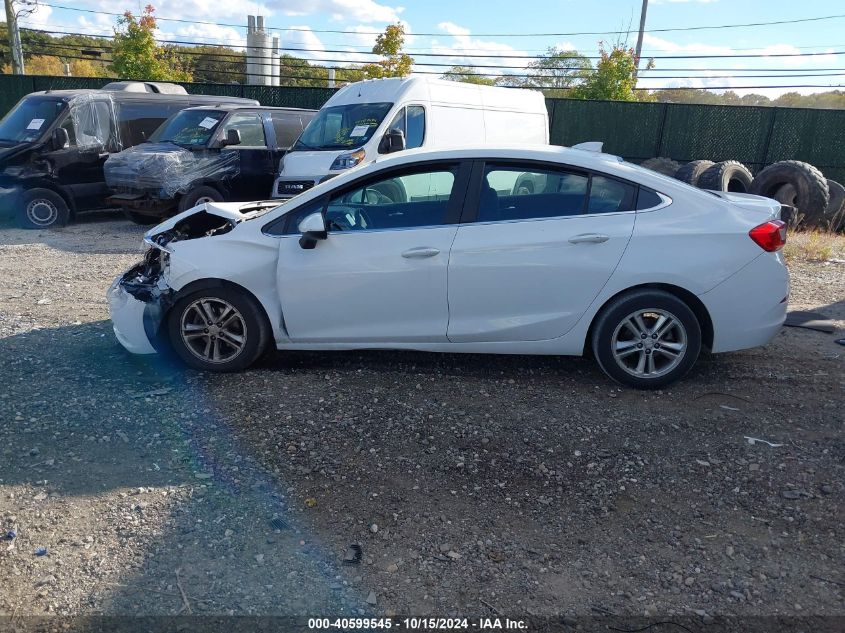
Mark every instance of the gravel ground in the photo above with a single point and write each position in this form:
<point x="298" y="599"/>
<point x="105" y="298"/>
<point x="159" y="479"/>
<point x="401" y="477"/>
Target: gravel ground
<point x="474" y="485"/>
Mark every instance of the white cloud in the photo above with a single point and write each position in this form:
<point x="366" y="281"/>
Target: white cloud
<point x="339" y="10"/>
<point x="729" y="67"/>
<point x="463" y="49"/>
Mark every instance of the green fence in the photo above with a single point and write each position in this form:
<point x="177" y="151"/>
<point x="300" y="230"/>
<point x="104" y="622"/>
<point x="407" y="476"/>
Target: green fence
<point x="756" y="136"/>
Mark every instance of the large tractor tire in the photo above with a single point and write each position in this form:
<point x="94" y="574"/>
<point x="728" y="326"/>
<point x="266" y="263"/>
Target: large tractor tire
<point x="811" y="191"/>
<point x="691" y="172"/>
<point x="665" y="166"/>
<point x="729" y="175"/>
<point x="836" y="206"/>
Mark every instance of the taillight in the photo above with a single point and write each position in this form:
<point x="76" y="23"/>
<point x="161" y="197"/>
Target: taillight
<point x="770" y="236"/>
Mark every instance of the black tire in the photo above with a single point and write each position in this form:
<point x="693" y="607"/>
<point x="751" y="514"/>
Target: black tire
<point x="253" y="327"/>
<point x="812" y="193"/>
<point x="691" y="172"/>
<point x="836" y="206"/>
<point x="787" y="195"/>
<point x="42" y="209"/>
<point x="611" y="320"/>
<point x="665" y="166"/>
<point x="729" y="175"/>
<point x="140" y="218"/>
<point x="197" y="195"/>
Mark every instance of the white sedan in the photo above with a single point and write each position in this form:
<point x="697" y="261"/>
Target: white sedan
<point x="543" y="250"/>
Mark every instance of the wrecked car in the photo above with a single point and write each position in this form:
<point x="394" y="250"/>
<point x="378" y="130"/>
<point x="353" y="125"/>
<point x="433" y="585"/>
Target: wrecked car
<point x="53" y="145"/>
<point x="203" y="154"/>
<point x="600" y="256"/>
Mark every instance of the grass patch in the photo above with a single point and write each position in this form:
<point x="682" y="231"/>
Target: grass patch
<point x="814" y="245"/>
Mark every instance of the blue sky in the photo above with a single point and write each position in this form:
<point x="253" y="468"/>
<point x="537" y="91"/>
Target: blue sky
<point x="465" y="29"/>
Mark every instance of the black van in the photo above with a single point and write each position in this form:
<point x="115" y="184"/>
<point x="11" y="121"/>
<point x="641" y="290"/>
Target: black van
<point x="204" y="154"/>
<point x="53" y="144"/>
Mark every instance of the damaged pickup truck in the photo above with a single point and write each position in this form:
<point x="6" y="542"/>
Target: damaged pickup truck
<point x="203" y="154"/>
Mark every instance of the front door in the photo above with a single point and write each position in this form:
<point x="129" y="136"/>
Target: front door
<point x="380" y="276"/>
<point x="538" y="247"/>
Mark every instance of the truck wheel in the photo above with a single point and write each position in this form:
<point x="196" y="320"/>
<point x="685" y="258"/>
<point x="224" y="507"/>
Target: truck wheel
<point x="42" y="209"/>
<point x="729" y="175"/>
<point x="691" y="172"/>
<point x="661" y="165"/>
<point x="811" y="191"/>
<point x="140" y="218"/>
<point x="199" y="195"/>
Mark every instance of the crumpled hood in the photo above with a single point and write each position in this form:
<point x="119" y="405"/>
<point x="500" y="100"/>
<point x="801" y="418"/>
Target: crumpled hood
<point x="225" y="210"/>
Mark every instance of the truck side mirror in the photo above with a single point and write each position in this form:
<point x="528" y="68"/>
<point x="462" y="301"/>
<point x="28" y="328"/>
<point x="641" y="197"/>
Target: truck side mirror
<point x="313" y="229"/>
<point x="233" y="137"/>
<point x="61" y="140"/>
<point x="392" y="141"/>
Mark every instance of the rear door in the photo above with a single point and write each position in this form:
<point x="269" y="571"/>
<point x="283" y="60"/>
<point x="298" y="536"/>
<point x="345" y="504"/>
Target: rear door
<point x="256" y="168"/>
<point x="536" y="245"/>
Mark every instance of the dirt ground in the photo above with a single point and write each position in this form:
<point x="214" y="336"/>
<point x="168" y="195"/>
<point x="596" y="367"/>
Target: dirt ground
<point x="474" y="485"/>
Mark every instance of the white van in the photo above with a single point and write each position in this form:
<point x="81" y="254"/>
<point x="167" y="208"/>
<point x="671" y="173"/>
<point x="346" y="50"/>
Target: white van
<point x="380" y="116"/>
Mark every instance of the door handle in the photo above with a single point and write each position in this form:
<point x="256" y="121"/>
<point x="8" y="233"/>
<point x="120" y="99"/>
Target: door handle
<point x="589" y="238"/>
<point x="421" y="252"/>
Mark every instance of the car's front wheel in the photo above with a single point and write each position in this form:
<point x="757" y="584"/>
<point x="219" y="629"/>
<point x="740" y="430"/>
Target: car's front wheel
<point x="218" y="329"/>
<point x="646" y="339"/>
<point x="42" y="209"/>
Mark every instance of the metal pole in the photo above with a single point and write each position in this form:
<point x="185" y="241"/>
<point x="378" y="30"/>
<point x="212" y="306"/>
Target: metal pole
<point x="14" y="38"/>
<point x="640" y="36"/>
<point x="331" y="77"/>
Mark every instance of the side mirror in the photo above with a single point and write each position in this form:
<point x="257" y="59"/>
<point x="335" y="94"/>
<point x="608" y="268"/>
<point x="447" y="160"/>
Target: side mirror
<point x="392" y="141"/>
<point x="233" y="137"/>
<point x="61" y="140"/>
<point x="313" y="229"/>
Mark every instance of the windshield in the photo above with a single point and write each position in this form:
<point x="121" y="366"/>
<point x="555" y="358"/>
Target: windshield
<point x="343" y="127"/>
<point x="30" y="119"/>
<point x="188" y="127"/>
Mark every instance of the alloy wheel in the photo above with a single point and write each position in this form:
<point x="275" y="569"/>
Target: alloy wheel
<point x="649" y="343"/>
<point x="213" y="330"/>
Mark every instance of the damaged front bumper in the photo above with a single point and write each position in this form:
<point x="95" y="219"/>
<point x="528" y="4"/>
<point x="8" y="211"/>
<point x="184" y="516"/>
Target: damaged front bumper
<point x="138" y="300"/>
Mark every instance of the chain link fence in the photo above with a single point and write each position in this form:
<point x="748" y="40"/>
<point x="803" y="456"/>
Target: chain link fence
<point x="756" y="136"/>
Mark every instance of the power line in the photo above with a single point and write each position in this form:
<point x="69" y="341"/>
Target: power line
<point x="457" y="55"/>
<point x="343" y="32"/>
<point x="574" y="73"/>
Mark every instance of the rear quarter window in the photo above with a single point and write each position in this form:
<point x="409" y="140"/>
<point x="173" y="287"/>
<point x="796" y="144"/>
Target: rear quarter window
<point x="647" y="199"/>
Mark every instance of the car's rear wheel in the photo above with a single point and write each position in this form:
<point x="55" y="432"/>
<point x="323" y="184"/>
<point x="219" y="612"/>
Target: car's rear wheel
<point x="646" y="339"/>
<point x="218" y="329"/>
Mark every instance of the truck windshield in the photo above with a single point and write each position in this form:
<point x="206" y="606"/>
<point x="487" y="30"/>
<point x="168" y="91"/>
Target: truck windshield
<point x="30" y="119"/>
<point x="342" y="127"/>
<point x="188" y="127"/>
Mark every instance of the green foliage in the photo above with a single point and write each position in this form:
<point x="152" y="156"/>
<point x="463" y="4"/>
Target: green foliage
<point x="394" y="62"/>
<point x="214" y="64"/>
<point x="469" y="75"/>
<point x="614" y="77"/>
<point x="557" y="72"/>
<point x="833" y="99"/>
<point x="136" y="55"/>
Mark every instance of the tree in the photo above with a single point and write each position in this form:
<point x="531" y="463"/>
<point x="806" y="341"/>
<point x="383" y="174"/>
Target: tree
<point x="557" y="72"/>
<point x="614" y="77"/>
<point x="214" y="64"/>
<point x="394" y="62"/>
<point x="467" y="74"/>
<point x="135" y="54"/>
<point x="55" y="66"/>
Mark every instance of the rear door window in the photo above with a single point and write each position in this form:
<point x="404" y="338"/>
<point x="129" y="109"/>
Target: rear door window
<point x="608" y="195"/>
<point x="287" y="126"/>
<point x="251" y="129"/>
<point x="524" y="192"/>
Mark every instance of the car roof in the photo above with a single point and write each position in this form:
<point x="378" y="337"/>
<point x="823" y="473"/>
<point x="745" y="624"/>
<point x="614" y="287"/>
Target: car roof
<point x="118" y="95"/>
<point x="564" y="156"/>
<point x="238" y="106"/>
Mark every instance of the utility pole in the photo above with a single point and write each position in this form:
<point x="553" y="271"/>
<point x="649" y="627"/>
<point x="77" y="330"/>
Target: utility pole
<point x="14" y="38"/>
<point x="640" y="36"/>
